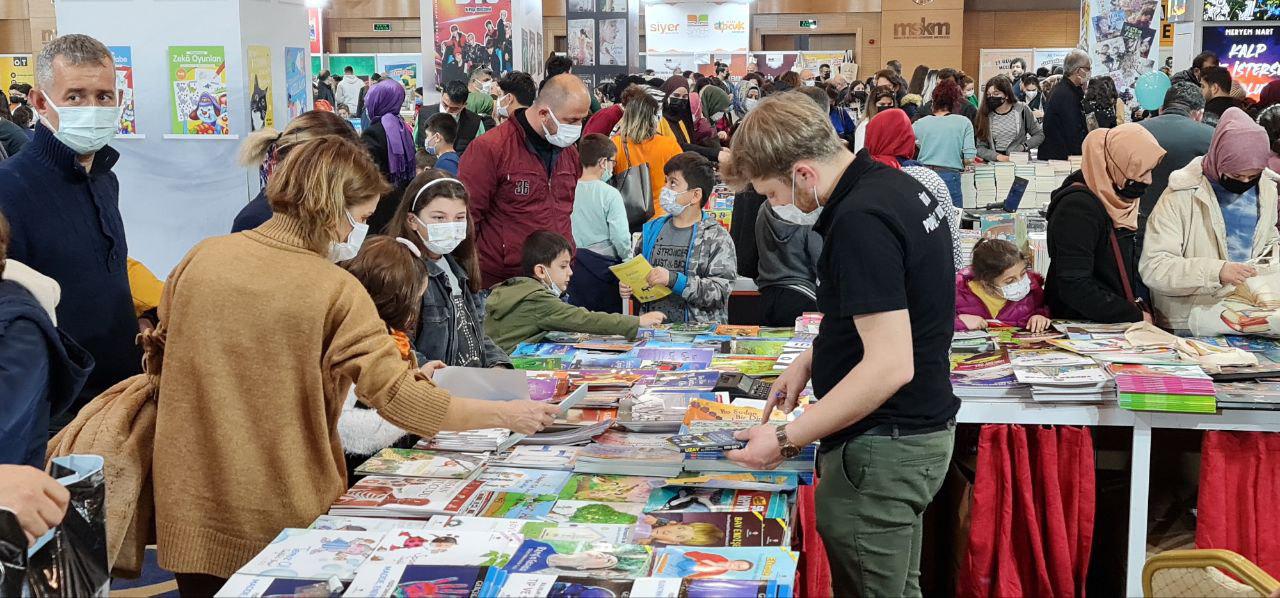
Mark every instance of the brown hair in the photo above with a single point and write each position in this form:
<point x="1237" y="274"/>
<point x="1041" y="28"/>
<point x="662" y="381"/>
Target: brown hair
<point x="267" y="142"/>
<point x="791" y="78"/>
<point x="889" y="74"/>
<point x="412" y="202"/>
<point x="595" y="147"/>
<point x="4" y="241"/>
<point x="782" y="130"/>
<point x="982" y="125"/>
<point x="883" y="91"/>
<point x="319" y="179"/>
<point x="991" y="257"/>
<point x="395" y="279"/>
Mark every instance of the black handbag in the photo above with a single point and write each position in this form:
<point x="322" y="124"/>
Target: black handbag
<point x="637" y="192"/>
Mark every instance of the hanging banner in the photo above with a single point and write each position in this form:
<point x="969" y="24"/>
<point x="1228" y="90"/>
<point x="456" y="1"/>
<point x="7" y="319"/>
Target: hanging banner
<point x="1252" y="54"/>
<point x="16" y="68"/>
<point x="470" y="35"/>
<point x="198" y="77"/>
<point x="1121" y="40"/>
<point x="261" y="111"/>
<point x="315" y="31"/>
<point x="1004" y="62"/>
<point x="1049" y="58"/>
<point x="123" y="58"/>
<point x="697" y="27"/>
<point x="295" y="81"/>
<point x="1240" y="10"/>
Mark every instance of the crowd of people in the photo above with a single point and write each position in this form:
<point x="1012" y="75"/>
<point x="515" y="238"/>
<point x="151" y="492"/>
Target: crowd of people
<point x="371" y="259"/>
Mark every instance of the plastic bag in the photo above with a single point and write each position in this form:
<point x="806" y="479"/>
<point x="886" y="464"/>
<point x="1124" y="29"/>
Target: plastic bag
<point x="70" y="560"/>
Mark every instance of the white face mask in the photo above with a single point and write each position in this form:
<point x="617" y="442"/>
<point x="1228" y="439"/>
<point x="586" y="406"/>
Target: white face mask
<point x="792" y="212"/>
<point x="750" y="103"/>
<point x="445" y="110"/>
<point x="502" y="109"/>
<point x="341" y="252"/>
<point x="487" y="86"/>
<point x="1018" y="290"/>
<point x="443" y="237"/>
<point x="553" y="287"/>
<point x="85" y="129"/>
<point x="1031" y="95"/>
<point x="669" y="199"/>
<point x="565" y="135"/>
<point x="808" y="83"/>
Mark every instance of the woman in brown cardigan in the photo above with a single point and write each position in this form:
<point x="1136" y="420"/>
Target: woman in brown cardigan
<point x="264" y="337"/>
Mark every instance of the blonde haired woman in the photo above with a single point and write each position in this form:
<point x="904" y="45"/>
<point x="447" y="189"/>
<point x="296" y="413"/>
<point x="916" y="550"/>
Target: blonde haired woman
<point x="264" y="337"/>
<point x="639" y="142"/>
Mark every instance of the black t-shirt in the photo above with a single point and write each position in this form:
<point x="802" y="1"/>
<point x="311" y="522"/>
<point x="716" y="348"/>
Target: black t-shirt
<point x="887" y="247"/>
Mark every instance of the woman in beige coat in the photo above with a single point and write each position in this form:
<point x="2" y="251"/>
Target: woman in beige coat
<point x="1218" y="213"/>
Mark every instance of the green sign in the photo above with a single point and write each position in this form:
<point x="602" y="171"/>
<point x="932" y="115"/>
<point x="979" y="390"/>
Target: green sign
<point x="382" y="26"/>
<point x="363" y="65"/>
<point x="808" y="23"/>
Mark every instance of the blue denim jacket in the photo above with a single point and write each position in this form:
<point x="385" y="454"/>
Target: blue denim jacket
<point x="437" y="336"/>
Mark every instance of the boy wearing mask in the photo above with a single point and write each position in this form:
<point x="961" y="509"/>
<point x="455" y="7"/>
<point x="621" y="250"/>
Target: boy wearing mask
<point x="442" y="131"/>
<point x="691" y="253"/>
<point x="526" y="308"/>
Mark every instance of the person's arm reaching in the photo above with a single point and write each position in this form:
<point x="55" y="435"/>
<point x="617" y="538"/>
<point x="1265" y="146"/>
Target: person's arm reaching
<point x="1163" y="266"/>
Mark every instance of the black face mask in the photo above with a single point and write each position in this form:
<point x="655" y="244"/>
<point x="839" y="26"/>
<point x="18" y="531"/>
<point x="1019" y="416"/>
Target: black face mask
<point x="880" y="108"/>
<point x="677" y="107"/>
<point x="994" y="103"/>
<point x="1132" y="189"/>
<point x="1237" y="186"/>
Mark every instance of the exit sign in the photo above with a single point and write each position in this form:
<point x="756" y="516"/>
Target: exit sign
<point x="808" y="23"/>
<point x="382" y="26"/>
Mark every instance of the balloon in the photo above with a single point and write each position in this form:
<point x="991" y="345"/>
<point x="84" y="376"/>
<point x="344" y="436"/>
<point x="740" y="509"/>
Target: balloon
<point x="1150" y="89"/>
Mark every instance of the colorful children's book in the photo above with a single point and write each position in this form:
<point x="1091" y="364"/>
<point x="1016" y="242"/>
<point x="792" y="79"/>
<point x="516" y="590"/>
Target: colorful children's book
<point x="751" y="365"/>
<point x="524" y="481"/>
<point x="313" y="554"/>
<point x="258" y="586"/>
<point x="445" y="547"/>
<point x="386" y="581"/>
<point x="759" y="480"/>
<point x="609" y="488"/>
<point x="541" y="457"/>
<point x="364" y="524"/>
<point x="537" y="364"/>
<point x="759" y="346"/>
<point x="592" y="559"/>
<point x="739" y="528"/>
<point x="581" y="511"/>
<point x="726" y="563"/>
<point x="736" y="330"/>
<point x="423" y="464"/>
<point x="663" y="587"/>
<point x="413" y="497"/>
<point x="535" y="585"/>
<point x="716" y="440"/>
<point x="538" y="530"/>
<point x="688" y="499"/>
<point x="510" y="505"/>
<point x="709" y="410"/>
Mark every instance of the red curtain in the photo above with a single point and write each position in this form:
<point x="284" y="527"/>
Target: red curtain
<point x="1239" y="489"/>
<point x="1031" y="527"/>
<point x="815" y="571"/>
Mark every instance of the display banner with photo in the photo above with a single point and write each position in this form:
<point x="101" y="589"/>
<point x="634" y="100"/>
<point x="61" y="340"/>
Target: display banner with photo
<point x="198" y="79"/>
<point x="261" y="104"/>
<point x="600" y="39"/>
<point x="16" y="68"/>
<point x="403" y="68"/>
<point x="1242" y="10"/>
<point x="295" y="80"/>
<point x="696" y="27"/>
<point x="1003" y="62"/>
<point x="470" y="35"/>
<point x="315" y="32"/>
<point x="1121" y="40"/>
<point x="1252" y="54"/>
<point x="123" y="58"/>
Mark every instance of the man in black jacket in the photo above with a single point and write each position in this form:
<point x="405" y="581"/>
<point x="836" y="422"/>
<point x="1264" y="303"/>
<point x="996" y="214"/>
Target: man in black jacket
<point x="1064" y="127"/>
<point x="454" y="102"/>
<point x="1215" y="82"/>
<point x="1202" y="61"/>
<point x="1179" y="134"/>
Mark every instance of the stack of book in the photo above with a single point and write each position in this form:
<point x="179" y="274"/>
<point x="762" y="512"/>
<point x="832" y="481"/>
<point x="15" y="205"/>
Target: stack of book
<point x="968" y="193"/>
<point x="1005" y="173"/>
<point x="984" y="185"/>
<point x="986" y="376"/>
<point x="471" y="441"/>
<point x="411" y="463"/>
<point x="713" y="460"/>
<point x="1179" y="388"/>
<point x="972" y="341"/>
<point x="1061" y="376"/>
<point x="631" y="458"/>
<point x="384" y="496"/>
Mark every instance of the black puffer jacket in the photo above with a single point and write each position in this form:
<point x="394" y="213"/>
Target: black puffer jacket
<point x="1084" y="281"/>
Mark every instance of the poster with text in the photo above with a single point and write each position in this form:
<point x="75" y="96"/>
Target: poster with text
<point x="295" y="80"/>
<point x="16" y="68"/>
<point x="261" y="109"/>
<point x="701" y="27"/>
<point x="1050" y="58"/>
<point x="123" y="58"/>
<point x="1242" y="10"/>
<point x="613" y="42"/>
<point x="315" y="31"/>
<point x="470" y="35"/>
<point x="198" y="78"/>
<point x="1250" y="53"/>
<point x="582" y="41"/>
<point x="1002" y="62"/>
<point x="1121" y="40"/>
<point x="813" y="60"/>
<point x="532" y="59"/>
<point x="403" y="68"/>
<point x="774" y="64"/>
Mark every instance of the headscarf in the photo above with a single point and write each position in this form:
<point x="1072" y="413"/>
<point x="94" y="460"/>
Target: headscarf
<point x="1239" y="144"/>
<point x="480" y="103"/>
<point x="1270" y="95"/>
<point x="714" y="100"/>
<point x="1112" y="157"/>
<point x="740" y="94"/>
<point x="890" y="137"/>
<point x="673" y="83"/>
<point x="383" y="104"/>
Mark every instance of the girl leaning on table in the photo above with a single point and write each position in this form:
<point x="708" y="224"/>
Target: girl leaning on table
<point x="1000" y="286"/>
<point x="264" y="335"/>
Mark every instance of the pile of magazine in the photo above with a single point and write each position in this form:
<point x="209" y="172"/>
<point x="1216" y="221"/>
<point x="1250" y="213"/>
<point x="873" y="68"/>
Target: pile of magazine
<point x="1059" y="376"/>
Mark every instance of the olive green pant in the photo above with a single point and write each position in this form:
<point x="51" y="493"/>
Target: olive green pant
<point x="871" y="497"/>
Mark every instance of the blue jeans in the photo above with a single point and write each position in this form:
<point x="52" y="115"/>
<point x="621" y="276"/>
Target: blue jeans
<point x="952" y="178"/>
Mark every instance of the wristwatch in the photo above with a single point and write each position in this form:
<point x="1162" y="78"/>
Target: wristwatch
<point x="788" y="449"/>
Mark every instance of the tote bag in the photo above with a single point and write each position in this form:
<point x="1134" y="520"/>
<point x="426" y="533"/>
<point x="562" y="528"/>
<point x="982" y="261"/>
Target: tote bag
<point x="637" y="192"/>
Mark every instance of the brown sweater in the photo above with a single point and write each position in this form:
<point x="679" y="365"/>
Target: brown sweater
<point x="264" y="339"/>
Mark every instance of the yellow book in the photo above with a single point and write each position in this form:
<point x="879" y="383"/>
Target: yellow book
<point x="634" y="273"/>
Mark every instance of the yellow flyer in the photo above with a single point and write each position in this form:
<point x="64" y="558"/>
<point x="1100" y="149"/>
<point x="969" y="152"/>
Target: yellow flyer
<point x="634" y="273"/>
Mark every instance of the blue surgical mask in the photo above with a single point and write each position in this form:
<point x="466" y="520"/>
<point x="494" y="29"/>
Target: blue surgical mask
<point x="669" y="199"/>
<point x="86" y="129"/>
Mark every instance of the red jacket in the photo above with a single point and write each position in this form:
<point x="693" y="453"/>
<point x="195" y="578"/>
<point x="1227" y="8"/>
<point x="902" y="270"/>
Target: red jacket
<point x="1014" y="313"/>
<point x="512" y="196"/>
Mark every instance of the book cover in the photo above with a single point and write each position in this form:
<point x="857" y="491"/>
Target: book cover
<point x="716" y="440"/>
<point x="751" y="365"/>
<point x="739" y="528"/>
<point x="445" y="547"/>
<point x="364" y="524"/>
<point x="609" y="488"/>
<point x="542" y="350"/>
<point x="543" y="457"/>
<point x="756" y="480"/>
<point x="387" y="580"/>
<point x="313" y="554"/>
<point x="700" y="409"/>
<point x="257" y="586"/>
<point x="725" y="563"/>
<point x="537" y="364"/>
<point x="661" y="587"/>
<point x="593" y="559"/>
<point x="509" y="505"/>
<point x="418" y="495"/>
<point x="634" y="454"/>
<point x="534" y="585"/>
<point x="423" y="464"/>
<point x="693" y="358"/>
<point x="588" y="416"/>
<point x="689" y="499"/>
<point x="523" y="481"/>
<point x="538" y="530"/>
<point x="737" y="330"/>
<point x="694" y="380"/>
<point x="761" y="347"/>
<point x="633" y="440"/>
<point x="581" y="511"/>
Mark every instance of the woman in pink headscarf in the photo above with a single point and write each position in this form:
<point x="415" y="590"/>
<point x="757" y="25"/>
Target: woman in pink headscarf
<point x="1218" y="213"/>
